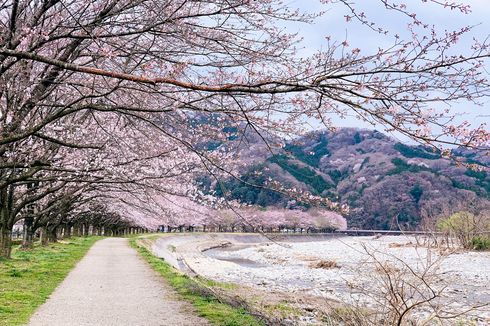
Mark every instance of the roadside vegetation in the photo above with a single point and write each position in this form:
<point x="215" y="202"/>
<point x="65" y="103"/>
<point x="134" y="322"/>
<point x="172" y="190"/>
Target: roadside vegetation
<point x="199" y="293"/>
<point x="394" y="283"/>
<point x="470" y="231"/>
<point x="30" y="276"/>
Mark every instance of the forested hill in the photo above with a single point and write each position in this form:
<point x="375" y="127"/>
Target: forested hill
<point x="385" y="183"/>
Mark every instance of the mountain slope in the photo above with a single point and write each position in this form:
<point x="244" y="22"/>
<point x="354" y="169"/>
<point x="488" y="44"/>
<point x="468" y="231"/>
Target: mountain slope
<point x="386" y="184"/>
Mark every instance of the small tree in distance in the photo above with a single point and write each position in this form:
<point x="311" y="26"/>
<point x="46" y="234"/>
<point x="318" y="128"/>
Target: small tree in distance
<point x="466" y="227"/>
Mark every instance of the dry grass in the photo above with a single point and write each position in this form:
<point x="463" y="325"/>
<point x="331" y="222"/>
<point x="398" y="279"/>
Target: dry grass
<point x="324" y="264"/>
<point x="401" y="245"/>
<point x="386" y="268"/>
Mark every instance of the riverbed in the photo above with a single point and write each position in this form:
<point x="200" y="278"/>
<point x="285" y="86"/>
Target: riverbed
<point x="340" y="268"/>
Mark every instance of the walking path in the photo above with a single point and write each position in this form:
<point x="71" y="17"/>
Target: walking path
<point x="111" y="285"/>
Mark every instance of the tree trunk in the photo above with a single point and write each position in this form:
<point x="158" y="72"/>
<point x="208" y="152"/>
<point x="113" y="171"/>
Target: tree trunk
<point x="5" y="242"/>
<point x="28" y="240"/>
<point x="44" y="236"/>
<point x="6" y="224"/>
<point x="85" y="230"/>
<point x="52" y="234"/>
<point x="67" y="232"/>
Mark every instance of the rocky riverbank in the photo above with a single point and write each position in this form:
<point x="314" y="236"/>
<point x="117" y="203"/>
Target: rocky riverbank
<point x="343" y="269"/>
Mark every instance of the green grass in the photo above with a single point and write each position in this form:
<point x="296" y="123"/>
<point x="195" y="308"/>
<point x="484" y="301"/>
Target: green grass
<point x="480" y="243"/>
<point x="206" y="305"/>
<point x="284" y="310"/>
<point x="31" y="276"/>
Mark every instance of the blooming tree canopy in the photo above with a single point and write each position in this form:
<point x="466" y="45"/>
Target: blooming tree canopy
<point x="123" y="96"/>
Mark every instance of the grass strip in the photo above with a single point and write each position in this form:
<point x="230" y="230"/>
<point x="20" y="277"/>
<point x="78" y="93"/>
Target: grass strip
<point x="31" y="276"/>
<point x="207" y="306"/>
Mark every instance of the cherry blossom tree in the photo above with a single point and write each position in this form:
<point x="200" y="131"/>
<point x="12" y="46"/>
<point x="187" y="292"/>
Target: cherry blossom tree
<point x="112" y="92"/>
<point x="325" y="219"/>
<point x="111" y="162"/>
<point x="209" y="56"/>
<point x="261" y="220"/>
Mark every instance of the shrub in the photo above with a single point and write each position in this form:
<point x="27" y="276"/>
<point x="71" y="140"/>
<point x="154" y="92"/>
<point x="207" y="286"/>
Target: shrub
<point x="480" y="243"/>
<point x="416" y="192"/>
<point x="357" y="138"/>
<point x="465" y="227"/>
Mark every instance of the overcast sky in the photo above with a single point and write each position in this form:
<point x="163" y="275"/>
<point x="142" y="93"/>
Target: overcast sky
<point x="333" y="23"/>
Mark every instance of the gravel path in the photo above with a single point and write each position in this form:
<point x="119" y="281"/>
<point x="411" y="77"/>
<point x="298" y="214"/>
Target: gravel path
<point x="112" y="286"/>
